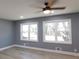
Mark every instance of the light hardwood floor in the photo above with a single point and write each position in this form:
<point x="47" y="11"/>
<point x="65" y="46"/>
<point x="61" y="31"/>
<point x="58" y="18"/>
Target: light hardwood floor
<point x="21" y="53"/>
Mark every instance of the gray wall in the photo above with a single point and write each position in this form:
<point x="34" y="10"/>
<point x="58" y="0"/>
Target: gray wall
<point x="66" y="47"/>
<point x="6" y="33"/>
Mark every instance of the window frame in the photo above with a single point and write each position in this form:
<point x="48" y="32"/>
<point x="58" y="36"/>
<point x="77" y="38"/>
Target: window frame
<point x="63" y="20"/>
<point x="28" y="23"/>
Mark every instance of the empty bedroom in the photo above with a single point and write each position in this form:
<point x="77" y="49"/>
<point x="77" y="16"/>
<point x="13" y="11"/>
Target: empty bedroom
<point x="39" y="29"/>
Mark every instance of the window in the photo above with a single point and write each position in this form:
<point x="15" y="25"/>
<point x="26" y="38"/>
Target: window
<point x="29" y="31"/>
<point x="57" y="31"/>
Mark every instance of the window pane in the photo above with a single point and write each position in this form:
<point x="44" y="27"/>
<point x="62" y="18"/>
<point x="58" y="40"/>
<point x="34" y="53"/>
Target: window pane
<point x="33" y="32"/>
<point x="62" y="31"/>
<point x="25" y="32"/>
<point x="61" y="36"/>
<point x="25" y="28"/>
<point x="60" y="26"/>
<point x="50" y="31"/>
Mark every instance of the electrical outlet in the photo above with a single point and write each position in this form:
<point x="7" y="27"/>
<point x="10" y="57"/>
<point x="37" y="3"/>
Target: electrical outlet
<point x="58" y="48"/>
<point x="24" y="44"/>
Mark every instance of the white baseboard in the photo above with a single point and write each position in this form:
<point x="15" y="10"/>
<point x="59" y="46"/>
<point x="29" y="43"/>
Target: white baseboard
<point x="48" y="50"/>
<point x="4" y="48"/>
<point x="41" y="49"/>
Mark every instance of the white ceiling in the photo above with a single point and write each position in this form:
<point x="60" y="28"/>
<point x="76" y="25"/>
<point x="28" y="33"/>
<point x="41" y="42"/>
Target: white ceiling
<point x="13" y="9"/>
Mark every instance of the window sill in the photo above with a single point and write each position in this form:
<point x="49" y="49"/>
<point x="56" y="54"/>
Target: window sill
<point x="57" y="42"/>
<point x="28" y="41"/>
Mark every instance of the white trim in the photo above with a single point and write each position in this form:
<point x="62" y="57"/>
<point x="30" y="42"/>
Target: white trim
<point x="48" y="50"/>
<point x="41" y="49"/>
<point x="4" y="48"/>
